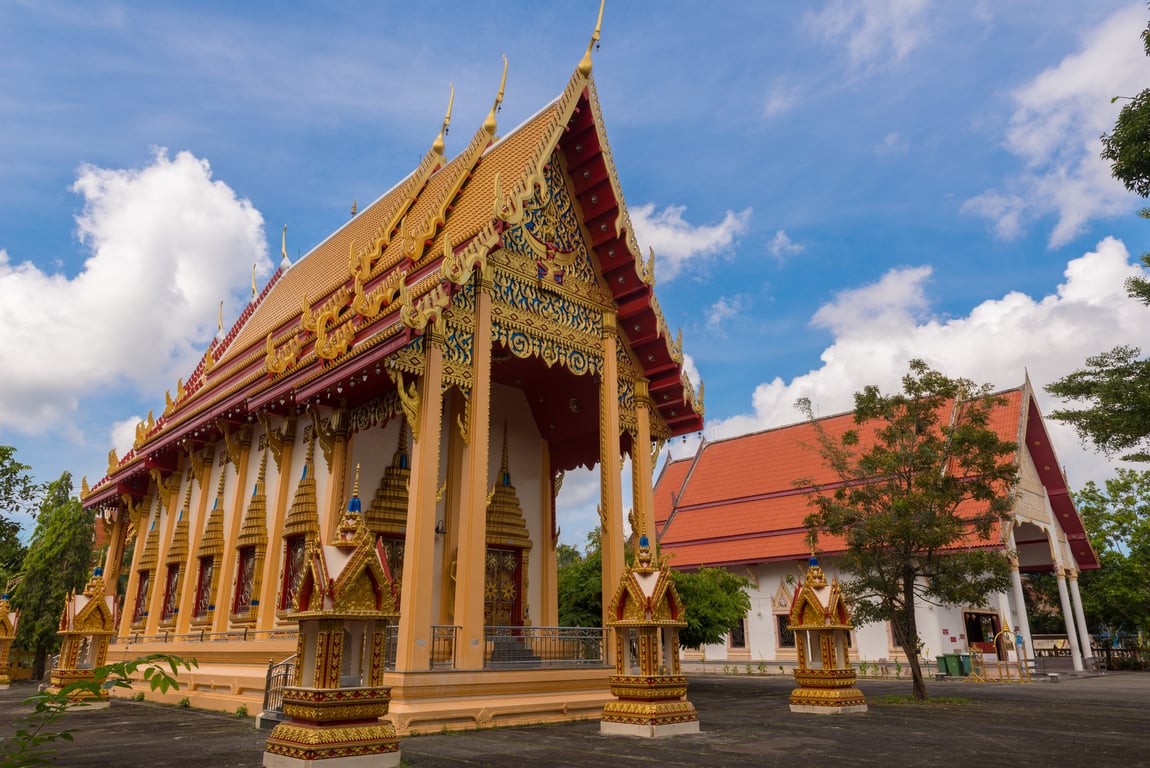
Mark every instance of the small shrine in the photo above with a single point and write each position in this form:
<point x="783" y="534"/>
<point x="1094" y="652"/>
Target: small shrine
<point x="86" y="626"/>
<point x="650" y="691"/>
<point x="8" y="621"/>
<point x="821" y="623"/>
<point x="345" y="604"/>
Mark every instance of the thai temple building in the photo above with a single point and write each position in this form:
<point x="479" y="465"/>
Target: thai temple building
<point x="485" y="326"/>
<point x="735" y="505"/>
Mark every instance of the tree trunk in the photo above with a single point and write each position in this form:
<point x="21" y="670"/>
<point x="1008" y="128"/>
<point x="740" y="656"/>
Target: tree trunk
<point x="39" y="662"/>
<point x="906" y="636"/>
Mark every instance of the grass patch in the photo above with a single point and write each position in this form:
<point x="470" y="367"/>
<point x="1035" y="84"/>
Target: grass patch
<point x="893" y="699"/>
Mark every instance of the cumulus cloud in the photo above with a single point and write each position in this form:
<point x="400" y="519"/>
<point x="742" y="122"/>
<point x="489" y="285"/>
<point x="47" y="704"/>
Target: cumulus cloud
<point x="1054" y="132"/>
<point x="782" y="246"/>
<point x="879" y="327"/>
<point x="166" y="244"/>
<point x="679" y="245"/>
<point x="874" y="33"/>
<point x="722" y="311"/>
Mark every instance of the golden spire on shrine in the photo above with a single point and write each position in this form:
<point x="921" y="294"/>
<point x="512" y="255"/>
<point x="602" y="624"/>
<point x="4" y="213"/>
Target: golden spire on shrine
<point x="489" y="123"/>
<point x="585" y="63"/>
<point x="283" y="249"/>
<point x="438" y="145"/>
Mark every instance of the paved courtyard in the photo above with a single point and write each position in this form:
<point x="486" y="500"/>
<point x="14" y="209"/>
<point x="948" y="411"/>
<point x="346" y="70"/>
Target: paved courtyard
<point x="1079" y="722"/>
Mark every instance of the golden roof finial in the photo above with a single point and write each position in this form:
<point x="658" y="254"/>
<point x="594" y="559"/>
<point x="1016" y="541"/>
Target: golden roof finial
<point x="354" y="206"/>
<point x="254" y="291"/>
<point x="585" y="63"/>
<point x="489" y="123"/>
<point x="355" y="485"/>
<point x="437" y="145"/>
<point x="283" y="247"/>
<point x="220" y="320"/>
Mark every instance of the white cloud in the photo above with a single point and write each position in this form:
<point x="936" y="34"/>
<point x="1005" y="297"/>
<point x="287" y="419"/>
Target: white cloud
<point x="167" y="244"/>
<point x="722" y="311"/>
<point x="876" y="32"/>
<point x="781" y="99"/>
<point x="782" y="246"/>
<point x="881" y="326"/>
<point x="679" y="245"/>
<point x="891" y="144"/>
<point x="1054" y="131"/>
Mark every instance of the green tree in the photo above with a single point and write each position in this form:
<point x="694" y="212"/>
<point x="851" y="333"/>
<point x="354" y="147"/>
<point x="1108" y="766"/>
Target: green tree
<point x="715" y="600"/>
<point x="1117" y="520"/>
<point x="58" y="561"/>
<point x="1116" y="385"/>
<point x="935" y="475"/>
<point x="579" y="584"/>
<point x="17" y="491"/>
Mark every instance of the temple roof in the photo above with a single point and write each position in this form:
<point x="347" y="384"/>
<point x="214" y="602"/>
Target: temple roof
<point x="744" y="499"/>
<point x="373" y="286"/>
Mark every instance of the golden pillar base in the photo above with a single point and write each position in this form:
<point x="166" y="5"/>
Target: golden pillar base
<point x="63" y="677"/>
<point x="827" y="692"/>
<point x="333" y="727"/>
<point x="651" y="706"/>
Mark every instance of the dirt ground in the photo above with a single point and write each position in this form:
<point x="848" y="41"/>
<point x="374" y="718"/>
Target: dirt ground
<point x="1078" y="722"/>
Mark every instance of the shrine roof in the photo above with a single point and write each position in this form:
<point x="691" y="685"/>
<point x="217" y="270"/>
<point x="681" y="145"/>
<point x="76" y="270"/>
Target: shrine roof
<point x="745" y="499"/>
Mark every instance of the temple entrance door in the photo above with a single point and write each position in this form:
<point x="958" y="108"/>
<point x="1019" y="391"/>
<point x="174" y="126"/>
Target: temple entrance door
<point x="502" y="591"/>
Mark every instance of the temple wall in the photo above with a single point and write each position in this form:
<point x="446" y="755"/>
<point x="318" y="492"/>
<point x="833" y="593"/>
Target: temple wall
<point x="940" y="627"/>
<point x="524" y="448"/>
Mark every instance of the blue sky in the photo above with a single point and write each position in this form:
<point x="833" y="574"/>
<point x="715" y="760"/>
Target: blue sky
<point x="830" y="187"/>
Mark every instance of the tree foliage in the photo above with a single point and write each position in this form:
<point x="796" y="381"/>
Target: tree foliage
<point x="907" y="505"/>
<point x="579" y="585"/>
<point x="1117" y="520"/>
<point x="17" y="491"/>
<point x="1116" y="384"/>
<point x="1127" y="147"/>
<point x="715" y="600"/>
<point x="58" y="561"/>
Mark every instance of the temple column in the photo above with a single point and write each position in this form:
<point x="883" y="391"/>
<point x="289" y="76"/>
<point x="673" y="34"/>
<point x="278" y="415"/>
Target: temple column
<point x="548" y="583"/>
<point x="413" y="651"/>
<point x="116" y="541"/>
<point x="160" y="574"/>
<point x="1021" y="619"/>
<point x="223" y="601"/>
<point x="333" y="442"/>
<point x="1068" y="617"/>
<point x="470" y="570"/>
<point x="133" y="577"/>
<point x="281" y="447"/>
<point x="643" y="494"/>
<point x="191" y="567"/>
<point x="610" y="481"/>
<point x="1080" y="615"/>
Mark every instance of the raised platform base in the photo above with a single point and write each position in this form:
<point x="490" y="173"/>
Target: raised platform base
<point x="828" y="710"/>
<point x="647" y="730"/>
<point x="386" y="760"/>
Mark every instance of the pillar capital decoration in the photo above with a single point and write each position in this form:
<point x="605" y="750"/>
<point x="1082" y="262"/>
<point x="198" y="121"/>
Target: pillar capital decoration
<point x="166" y="485"/>
<point x="409" y="399"/>
<point x="236" y="440"/>
<point x="277" y="438"/>
<point x="328" y="431"/>
<point x="609" y="322"/>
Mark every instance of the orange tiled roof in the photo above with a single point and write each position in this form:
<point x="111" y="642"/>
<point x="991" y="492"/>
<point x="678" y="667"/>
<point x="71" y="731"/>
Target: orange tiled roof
<point x="746" y="498"/>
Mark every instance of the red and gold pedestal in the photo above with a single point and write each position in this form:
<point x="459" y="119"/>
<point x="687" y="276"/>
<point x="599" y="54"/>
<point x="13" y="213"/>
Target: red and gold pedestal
<point x="827" y="692"/>
<point x="60" y="678"/>
<point x="334" y="727"/>
<point x="649" y="706"/>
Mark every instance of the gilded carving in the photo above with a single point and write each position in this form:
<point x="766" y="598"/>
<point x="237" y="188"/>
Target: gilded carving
<point x="409" y="399"/>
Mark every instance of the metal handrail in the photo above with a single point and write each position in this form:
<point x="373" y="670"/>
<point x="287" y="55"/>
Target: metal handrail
<point x="279" y="675"/>
<point x="552" y="647"/>
<point x="203" y="636"/>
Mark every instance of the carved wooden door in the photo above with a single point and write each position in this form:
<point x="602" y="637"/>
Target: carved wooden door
<point x="502" y="588"/>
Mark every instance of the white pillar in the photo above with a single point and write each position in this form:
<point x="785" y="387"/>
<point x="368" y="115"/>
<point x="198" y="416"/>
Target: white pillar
<point x="1068" y="617"/>
<point x="1080" y="615"/>
<point x="1021" y="618"/>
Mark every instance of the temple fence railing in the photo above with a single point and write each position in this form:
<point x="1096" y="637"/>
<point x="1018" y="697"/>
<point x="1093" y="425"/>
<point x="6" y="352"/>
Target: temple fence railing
<point x="280" y="674"/>
<point x="553" y="647"/>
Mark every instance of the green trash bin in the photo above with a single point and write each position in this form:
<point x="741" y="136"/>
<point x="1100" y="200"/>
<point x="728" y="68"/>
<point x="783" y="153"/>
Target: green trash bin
<point x="953" y="667"/>
<point x="964" y="661"/>
<point x="940" y="664"/>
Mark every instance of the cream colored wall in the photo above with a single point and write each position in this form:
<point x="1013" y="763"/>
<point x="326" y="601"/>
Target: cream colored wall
<point x="524" y="448"/>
